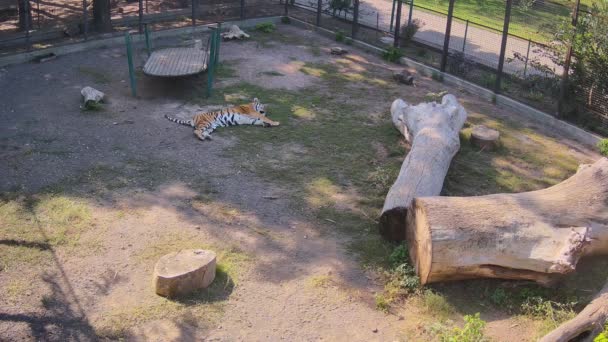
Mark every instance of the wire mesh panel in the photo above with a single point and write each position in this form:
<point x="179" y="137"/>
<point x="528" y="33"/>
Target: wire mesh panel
<point x="263" y="8"/>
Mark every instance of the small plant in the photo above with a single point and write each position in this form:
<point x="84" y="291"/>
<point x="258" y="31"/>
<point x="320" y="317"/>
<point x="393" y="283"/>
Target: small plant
<point x="348" y="41"/>
<point x="437" y="76"/>
<point x="409" y="31"/>
<point x="340" y="36"/>
<point x="458" y="64"/>
<point x="429" y="97"/>
<point x="382" y="303"/>
<point x="499" y="297"/>
<point x="265" y="27"/>
<point x="399" y="256"/>
<point x="286" y="20"/>
<point x="603" y="337"/>
<point x="392" y="54"/>
<point x="539" y="307"/>
<point x="603" y="146"/>
<point x="471" y="332"/>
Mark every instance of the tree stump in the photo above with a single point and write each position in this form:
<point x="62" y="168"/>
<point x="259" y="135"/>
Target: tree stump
<point x="180" y="273"/>
<point x="433" y="129"/>
<point x="536" y="235"/>
<point x="485" y="138"/>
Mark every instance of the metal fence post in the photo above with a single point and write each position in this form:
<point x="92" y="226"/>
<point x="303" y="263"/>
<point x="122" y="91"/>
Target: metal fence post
<point x="355" y="19"/>
<point x="27" y="18"/>
<point x="567" y="61"/>
<point x="319" y="4"/>
<point x="409" y="18"/>
<point x="390" y="28"/>
<point x="286" y="8"/>
<point x="147" y="36"/>
<point x="218" y="38"/>
<point x="466" y="31"/>
<point x="448" y="33"/>
<point x="242" y="9"/>
<point x="503" y="46"/>
<point x="398" y="23"/>
<point x="141" y="16"/>
<point x="85" y="19"/>
<point x="527" y="56"/>
<point x="211" y="62"/>
<point x="194" y="10"/>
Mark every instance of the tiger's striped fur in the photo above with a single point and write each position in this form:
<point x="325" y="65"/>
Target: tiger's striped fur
<point x="250" y="114"/>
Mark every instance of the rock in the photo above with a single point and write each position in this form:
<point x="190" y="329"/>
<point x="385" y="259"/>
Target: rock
<point x="404" y="77"/>
<point x="91" y="96"/>
<point x="163" y="330"/>
<point x="234" y="33"/>
<point x="484" y="137"/>
<point x="387" y="40"/>
<point x="338" y="51"/>
<point x="180" y="273"/>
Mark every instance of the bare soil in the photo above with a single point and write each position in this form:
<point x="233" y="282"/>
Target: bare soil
<point x="92" y="199"/>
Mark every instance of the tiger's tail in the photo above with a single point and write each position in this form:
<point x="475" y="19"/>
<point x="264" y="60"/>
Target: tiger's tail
<point x="181" y="122"/>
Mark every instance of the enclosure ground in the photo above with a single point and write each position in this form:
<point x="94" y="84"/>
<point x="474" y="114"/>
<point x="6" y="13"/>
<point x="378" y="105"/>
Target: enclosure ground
<point x="91" y="200"/>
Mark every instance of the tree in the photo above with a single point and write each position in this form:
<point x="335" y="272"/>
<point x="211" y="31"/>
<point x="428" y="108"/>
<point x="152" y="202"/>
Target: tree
<point x="101" y="15"/>
<point x="25" y="15"/>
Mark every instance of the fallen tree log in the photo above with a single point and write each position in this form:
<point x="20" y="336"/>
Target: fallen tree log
<point x="533" y="235"/>
<point x="590" y="321"/>
<point x="433" y="130"/>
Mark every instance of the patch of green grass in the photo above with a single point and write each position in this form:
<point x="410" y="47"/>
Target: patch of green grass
<point x="265" y="27"/>
<point x="392" y="54"/>
<point x="382" y="303"/>
<point x="271" y="73"/>
<point x="98" y="76"/>
<point x="436" y="304"/>
<point x="225" y="70"/>
<point x="340" y="36"/>
<point x="472" y="331"/>
<point x="603" y="146"/>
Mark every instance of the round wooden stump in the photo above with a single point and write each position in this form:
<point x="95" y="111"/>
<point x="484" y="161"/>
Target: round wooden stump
<point x="180" y="273"/>
<point x="484" y="137"/>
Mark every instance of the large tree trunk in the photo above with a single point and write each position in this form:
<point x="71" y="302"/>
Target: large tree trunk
<point x="533" y="235"/>
<point x="102" y="16"/>
<point x="25" y="15"/>
<point x="433" y="129"/>
<point x="590" y="321"/>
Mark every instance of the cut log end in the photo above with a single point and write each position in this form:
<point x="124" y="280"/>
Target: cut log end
<point x="485" y="138"/>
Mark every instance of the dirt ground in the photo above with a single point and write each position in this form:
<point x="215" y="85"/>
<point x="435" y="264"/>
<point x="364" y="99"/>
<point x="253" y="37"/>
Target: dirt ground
<point x="91" y="199"/>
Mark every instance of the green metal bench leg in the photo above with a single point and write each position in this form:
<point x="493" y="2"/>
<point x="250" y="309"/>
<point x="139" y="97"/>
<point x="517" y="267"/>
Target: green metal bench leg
<point x="130" y="61"/>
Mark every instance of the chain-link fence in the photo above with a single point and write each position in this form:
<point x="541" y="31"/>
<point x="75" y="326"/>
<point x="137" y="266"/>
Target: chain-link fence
<point x="508" y="46"/>
<point x="33" y="24"/>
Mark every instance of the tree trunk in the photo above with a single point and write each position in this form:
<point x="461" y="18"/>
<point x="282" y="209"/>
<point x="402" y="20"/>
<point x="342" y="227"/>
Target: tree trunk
<point x="433" y="129"/>
<point x="591" y="320"/>
<point x="25" y="15"/>
<point x="533" y="235"/>
<point x="102" y="16"/>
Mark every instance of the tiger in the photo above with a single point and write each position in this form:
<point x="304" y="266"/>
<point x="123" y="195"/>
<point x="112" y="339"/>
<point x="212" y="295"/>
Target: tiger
<point x="253" y="113"/>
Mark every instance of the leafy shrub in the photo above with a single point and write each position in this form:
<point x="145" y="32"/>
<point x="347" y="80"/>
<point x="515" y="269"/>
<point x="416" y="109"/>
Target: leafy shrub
<point x="340" y="36"/>
<point x="392" y="54"/>
<point x="409" y="31"/>
<point x="458" y="64"/>
<point x="499" y="297"/>
<point x="603" y="337"/>
<point x="603" y="146"/>
<point x="405" y="277"/>
<point x="437" y="76"/>
<point x="399" y="256"/>
<point x="546" y="309"/>
<point x="382" y="303"/>
<point x="265" y="27"/>
<point x="286" y="20"/>
<point x="471" y="332"/>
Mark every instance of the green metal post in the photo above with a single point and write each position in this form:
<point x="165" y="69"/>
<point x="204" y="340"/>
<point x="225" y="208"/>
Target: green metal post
<point x="130" y="61"/>
<point x="409" y="17"/>
<point x="147" y="35"/>
<point x="211" y="63"/>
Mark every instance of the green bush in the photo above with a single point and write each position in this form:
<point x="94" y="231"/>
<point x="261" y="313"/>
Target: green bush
<point x="603" y="146"/>
<point x="392" y="54"/>
<point x="408" y="31"/>
<point x="265" y="27"/>
<point x="471" y="332"/>
<point x="286" y="20"/>
<point x="399" y="256"/>
<point x="340" y="37"/>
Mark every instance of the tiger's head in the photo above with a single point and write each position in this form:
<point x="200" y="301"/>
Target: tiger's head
<point x="258" y="115"/>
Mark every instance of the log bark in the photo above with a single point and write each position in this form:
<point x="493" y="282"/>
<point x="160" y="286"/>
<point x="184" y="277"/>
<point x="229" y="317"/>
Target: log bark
<point x="590" y="321"/>
<point x="433" y="130"/>
<point x="534" y="235"/>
